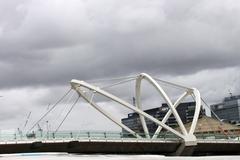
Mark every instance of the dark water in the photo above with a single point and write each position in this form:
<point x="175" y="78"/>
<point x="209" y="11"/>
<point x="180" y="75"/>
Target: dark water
<point x="65" y="156"/>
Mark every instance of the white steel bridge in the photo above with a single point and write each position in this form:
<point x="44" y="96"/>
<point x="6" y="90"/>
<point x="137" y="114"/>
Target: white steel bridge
<point x="169" y="142"/>
<point x="188" y="136"/>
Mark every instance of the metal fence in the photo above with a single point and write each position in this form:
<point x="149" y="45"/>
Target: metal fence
<point x="101" y="135"/>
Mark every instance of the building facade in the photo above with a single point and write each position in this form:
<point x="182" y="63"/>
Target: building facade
<point x="185" y="111"/>
<point x="228" y="110"/>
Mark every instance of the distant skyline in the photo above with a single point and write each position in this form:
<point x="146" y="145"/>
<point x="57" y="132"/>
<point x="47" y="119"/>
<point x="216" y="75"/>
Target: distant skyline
<point x="45" y="44"/>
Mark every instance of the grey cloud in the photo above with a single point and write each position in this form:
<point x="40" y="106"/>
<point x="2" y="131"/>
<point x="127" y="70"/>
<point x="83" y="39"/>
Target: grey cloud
<point x="213" y="85"/>
<point x="11" y="14"/>
<point x="44" y="44"/>
<point x="85" y="39"/>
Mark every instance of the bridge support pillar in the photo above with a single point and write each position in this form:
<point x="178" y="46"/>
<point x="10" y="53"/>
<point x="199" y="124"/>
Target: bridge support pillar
<point x="187" y="147"/>
<point x="184" y="150"/>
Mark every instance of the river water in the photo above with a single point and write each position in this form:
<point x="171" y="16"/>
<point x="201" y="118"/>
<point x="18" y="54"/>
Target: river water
<point x="65" y="156"/>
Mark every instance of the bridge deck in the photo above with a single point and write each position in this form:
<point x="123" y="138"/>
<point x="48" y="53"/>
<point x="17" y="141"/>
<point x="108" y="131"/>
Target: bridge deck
<point x="113" y="142"/>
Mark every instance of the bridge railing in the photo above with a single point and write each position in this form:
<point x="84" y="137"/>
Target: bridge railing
<point x="217" y="136"/>
<point x="100" y="135"/>
<point x="79" y="135"/>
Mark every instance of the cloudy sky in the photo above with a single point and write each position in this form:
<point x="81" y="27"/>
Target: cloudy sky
<point x="45" y="44"/>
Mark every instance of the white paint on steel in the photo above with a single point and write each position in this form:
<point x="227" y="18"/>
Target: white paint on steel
<point x="77" y="83"/>
<point x="187" y="136"/>
<point x="109" y="116"/>
<point x="139" y="105"/>
<point x="165" y="97"/>
<point x="196" y="95"/>
<point x="168" y="114"/>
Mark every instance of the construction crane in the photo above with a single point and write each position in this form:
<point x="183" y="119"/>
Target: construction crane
<point x="26" y="122"/>
<point x="39" y="128"/>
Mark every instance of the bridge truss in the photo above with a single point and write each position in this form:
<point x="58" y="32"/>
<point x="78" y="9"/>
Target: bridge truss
<point x="187" y="136"/>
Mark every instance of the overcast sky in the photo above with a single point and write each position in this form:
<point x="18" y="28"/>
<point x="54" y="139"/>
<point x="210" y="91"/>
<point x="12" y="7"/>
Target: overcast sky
<point x="45" y="44"/>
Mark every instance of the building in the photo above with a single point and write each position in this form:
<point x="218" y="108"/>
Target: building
<point x="208" y="126"/>
<point x="228" y="110"/>
<point x="211" y="125"/>
<point x="185" y="111"/>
